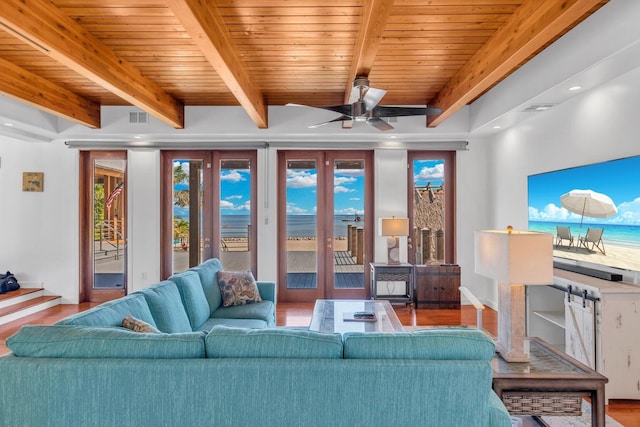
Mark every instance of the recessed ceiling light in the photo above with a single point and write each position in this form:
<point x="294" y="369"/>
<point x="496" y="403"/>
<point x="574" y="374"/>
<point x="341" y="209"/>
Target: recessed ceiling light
<point x="572" y="88"/>
<point x="8" y="124"/>
<point x="497" y="127"/>
<point x="137" y="137"/>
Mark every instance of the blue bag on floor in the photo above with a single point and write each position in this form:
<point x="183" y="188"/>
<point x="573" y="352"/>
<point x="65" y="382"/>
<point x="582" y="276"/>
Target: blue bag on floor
<point x="8" y="283"/>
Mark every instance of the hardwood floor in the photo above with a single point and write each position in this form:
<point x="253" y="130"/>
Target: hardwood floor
<point x="626" y="412"/>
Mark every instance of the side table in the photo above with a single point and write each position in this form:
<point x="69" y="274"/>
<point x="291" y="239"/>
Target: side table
<point x="548" y="381"/>
<point x="393" y="282"/>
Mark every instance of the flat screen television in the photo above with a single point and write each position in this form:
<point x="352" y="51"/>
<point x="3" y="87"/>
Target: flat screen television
<point x="617" y="180"/>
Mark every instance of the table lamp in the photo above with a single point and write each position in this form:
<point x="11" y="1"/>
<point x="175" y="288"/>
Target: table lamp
<point x="392" y="228"/>
<point x="514" y="259"/>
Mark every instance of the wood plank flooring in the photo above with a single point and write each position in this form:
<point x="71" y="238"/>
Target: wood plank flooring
<point x="626" y="412"/>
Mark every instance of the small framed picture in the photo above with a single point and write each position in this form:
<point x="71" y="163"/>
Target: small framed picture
<point x="33" y="181"/>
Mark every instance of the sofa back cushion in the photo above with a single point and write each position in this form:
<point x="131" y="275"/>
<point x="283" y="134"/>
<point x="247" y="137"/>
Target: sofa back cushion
<point x="227" y="342"/>
<point x="166" y="307"/>
<point x="69" y="341"/>
<point x="208" y="271"/>
<point x="429" y="344"/>
<point x="113" y="312"/>
<point x="193" y="298"/>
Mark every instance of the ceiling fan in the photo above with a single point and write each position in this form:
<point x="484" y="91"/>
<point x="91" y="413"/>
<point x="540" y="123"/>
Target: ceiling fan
<point x="364" y="107"/>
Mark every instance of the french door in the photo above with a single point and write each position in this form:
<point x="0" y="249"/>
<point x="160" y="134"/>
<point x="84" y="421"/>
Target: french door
<point x="208" y="209"/>
<point x="325" y="224"/>
<point x="103" y="225"/>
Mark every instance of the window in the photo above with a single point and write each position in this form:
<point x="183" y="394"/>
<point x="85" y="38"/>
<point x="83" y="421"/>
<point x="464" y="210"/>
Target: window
<point x="432" y="206"/>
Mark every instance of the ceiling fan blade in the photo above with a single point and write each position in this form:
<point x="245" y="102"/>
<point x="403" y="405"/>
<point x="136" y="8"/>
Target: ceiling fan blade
<point x="379" y="124"/>
<point x="404" y="111"/>
<point x="339" y="119"/>
<point x="373" y="97"/>
<point x="342" y="109"/>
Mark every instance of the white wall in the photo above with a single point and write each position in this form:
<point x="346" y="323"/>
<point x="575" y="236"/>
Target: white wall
<point x="39" y="231"/>
<point x="601" y="124"/>
<point x="143" y="248"/>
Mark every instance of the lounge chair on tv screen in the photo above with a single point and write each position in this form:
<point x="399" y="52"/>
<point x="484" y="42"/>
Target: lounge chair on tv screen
<point x="563" y="233"/>
<point x="593" y="238"/>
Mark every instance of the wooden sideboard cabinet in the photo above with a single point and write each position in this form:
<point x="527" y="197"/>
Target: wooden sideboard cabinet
<point x="594" y="321"/>
<point x="437" y="286"/>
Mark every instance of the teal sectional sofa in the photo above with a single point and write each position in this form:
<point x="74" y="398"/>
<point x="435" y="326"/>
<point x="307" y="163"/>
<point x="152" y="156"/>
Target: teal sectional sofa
<point x="88" y="371"/>
<point x="187" y="302"/>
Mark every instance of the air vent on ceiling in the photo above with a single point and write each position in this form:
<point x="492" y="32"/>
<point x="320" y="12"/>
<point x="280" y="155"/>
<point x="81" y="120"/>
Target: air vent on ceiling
<point x="537" y="108"/>
<point x="138" y="117"/>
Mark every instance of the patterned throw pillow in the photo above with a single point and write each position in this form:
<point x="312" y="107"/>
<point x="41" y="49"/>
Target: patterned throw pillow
<point x="238" y="288"/>
<point x="137" y="325"/>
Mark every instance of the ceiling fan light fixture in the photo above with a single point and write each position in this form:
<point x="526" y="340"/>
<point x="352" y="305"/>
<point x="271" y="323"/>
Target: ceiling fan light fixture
<point x="366" y="109"/>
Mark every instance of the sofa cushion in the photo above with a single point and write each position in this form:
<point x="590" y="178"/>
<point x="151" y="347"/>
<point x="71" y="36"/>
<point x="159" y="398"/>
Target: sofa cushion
<point x="193" y="298"/>
<point x="238" y="288"/>
<point x="236" y="323"/>
<point x="262" y="310"/>
<point x="226" y="342"/>
<point x="111" y="313"/>
<point x="209" y="280"/>
<point x="166" y="307"/>
<point x="69" y="341"/>
<point x="431" y="344"/>
<point x="137" y="325"/>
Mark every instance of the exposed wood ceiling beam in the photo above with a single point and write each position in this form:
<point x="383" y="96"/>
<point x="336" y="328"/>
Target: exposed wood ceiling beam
<point x="375" y="14"/>
<point x="45" y="27"/>
<point x="533" y="25"/>
<point x="203" y="21"/>
<point x="40" y="93"/>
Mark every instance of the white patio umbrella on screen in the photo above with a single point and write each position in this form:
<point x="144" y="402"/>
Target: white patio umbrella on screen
<point x="588" y="203"/>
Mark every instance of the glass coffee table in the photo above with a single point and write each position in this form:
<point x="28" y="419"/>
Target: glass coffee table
<point x="329" y="316"/>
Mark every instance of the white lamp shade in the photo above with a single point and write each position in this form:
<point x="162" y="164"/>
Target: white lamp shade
<point x="519" y="257"/>
<point x="393" y="227"/>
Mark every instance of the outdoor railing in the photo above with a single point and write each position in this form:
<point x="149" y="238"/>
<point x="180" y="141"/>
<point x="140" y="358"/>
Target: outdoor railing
<point x="107" y="234"/>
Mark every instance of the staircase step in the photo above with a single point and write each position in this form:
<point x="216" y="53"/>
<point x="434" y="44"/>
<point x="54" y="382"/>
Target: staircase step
<point x="26" y="307"/>
<point x="22" y="294"/>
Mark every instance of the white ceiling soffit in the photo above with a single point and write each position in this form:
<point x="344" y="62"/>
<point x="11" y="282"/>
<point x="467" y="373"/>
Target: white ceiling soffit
<point x="604" y="46"/>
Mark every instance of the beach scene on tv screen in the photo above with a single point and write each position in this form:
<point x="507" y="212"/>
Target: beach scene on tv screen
<point x="593" y="212"/>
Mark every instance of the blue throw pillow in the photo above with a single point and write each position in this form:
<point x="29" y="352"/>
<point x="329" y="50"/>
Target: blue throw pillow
<point x="166" y="307"/>
<point x="193" y="297"/>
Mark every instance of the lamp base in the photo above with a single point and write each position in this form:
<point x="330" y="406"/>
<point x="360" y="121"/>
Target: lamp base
<point x="511" y="326"/>
<point x="393" y="250"/>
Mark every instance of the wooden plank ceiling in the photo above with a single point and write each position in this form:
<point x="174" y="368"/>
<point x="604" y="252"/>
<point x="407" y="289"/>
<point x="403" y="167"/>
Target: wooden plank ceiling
<point x="69" y="57"/>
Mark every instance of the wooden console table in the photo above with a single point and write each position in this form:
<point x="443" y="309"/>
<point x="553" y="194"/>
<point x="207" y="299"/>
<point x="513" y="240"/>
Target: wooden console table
<point x="549" y="374"/>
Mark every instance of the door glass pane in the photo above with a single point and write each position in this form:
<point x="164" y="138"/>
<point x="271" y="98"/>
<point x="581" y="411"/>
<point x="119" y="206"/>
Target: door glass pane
<point x="348" y="223"/>
<point x="429" y="211"/>
<point x="109" y="227"/>
<point x="187" y="214"/>
<point x="235" y="214"/>
<point x="301" y="219"/>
